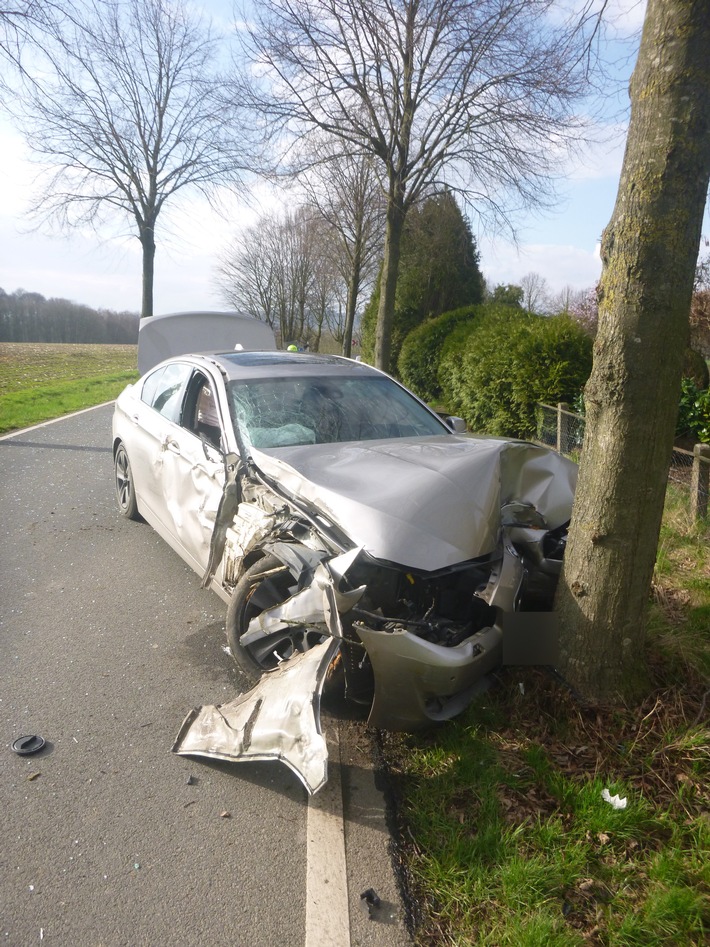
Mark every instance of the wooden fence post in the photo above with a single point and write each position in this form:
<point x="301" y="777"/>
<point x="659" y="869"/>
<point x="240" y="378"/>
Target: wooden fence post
<point x="699" y="481"/>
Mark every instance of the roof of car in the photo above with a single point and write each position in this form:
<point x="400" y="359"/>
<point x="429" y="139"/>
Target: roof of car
<point x="238" y="365"/>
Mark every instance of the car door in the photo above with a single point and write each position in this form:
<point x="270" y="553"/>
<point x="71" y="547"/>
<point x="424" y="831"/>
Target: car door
<point x="153" y="418"/>
<point x="193" y="469"/>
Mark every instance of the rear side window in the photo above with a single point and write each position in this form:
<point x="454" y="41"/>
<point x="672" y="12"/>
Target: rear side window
<point x="150" y="385"/>
<point x="163" y="389"/>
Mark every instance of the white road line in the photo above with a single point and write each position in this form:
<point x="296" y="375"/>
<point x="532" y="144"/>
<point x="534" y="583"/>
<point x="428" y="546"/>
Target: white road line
<point x="63" y="417"/>
<point x="327" y="913"/>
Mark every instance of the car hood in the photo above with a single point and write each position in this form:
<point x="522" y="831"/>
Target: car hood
<point x="425" y="502"/>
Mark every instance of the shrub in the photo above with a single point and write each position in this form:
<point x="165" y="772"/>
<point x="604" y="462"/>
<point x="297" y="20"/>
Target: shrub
<point x="507" y="363"/>
<point x="418" y="363"/>
<point x="696" y="368"/>
<point x="694" y="412"/>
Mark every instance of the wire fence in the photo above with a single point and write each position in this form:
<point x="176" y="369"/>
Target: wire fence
<point x="560" y="428"/>
<point x="563" y="430"/>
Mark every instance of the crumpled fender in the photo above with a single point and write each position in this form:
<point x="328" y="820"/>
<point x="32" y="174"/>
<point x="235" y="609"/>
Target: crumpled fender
<point x="317" y="605"/>
<point x="228" y="505"/>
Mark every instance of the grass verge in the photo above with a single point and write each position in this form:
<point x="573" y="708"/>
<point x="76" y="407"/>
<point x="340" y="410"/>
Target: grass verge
<point x="42" y="381"/>
<point x="506" y="838"/>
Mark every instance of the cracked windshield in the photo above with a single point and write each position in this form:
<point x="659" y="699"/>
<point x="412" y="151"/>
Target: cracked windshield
<point x="289" y="411"/>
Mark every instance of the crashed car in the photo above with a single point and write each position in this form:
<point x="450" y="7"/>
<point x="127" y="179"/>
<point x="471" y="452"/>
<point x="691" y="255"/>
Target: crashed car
<point x="358" y="540"/>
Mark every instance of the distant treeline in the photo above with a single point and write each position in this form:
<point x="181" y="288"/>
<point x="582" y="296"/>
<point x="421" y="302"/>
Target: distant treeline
<point x="29" y="317"/>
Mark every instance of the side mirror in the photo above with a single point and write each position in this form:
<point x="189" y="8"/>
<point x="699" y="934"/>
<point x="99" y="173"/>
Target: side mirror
<point x="457" y="425"/>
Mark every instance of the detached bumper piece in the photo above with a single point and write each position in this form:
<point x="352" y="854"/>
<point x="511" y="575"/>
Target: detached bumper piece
<point x="278" y="719"/>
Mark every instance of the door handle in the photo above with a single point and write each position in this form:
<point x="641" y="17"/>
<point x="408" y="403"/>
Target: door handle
<point x="172" y="445"/>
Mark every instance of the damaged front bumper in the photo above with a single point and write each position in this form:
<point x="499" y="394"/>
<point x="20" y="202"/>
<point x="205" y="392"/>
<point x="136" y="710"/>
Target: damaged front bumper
<point x="414" y="682"/>
<point x="279" y="719"/>
<point x="418" y="683"/>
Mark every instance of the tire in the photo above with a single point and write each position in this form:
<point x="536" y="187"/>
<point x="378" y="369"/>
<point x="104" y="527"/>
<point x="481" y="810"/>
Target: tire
<point x="266" y="583"/>
<point x="125" y="489"/>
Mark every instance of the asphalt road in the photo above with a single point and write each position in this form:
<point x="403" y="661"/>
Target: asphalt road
<point x="106" y="642"/>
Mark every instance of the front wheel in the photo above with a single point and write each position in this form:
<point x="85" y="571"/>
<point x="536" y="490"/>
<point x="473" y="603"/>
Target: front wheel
<point x="125" y="489"/>
<point x="266" y="583"/>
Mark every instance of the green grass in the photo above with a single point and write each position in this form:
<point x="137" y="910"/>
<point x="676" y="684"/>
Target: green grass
<point x="507" y="853"/>
<point x="42" y="381"/>
<point x="507" y="840"/>
<point x="679" y="619"/>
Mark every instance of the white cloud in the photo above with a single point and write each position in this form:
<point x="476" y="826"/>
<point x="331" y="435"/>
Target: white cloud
<point x="104" y="270"/>
<point x="621" y="19"/>
<point x="625" y="16"/>
<point x="560" y="264"/>
<point x="17" y="173"/>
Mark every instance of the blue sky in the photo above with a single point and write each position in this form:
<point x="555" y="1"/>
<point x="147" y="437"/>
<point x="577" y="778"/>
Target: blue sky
<point x="103" y="270"/>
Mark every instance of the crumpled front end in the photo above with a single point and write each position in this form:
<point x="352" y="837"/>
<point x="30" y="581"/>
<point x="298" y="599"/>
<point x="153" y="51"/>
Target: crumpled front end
<point x="412" y="645"/>
<point x="415" y="647"/>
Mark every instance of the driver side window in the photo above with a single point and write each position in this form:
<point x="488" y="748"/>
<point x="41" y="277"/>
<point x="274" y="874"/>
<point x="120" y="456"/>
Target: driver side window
<point x="201" y="415"/>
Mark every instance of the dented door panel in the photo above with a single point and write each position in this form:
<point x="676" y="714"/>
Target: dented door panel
<point x="192" y="478"/>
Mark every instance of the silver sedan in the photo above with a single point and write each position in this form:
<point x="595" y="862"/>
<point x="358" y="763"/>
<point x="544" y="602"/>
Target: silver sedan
<point x="358" y="541"/>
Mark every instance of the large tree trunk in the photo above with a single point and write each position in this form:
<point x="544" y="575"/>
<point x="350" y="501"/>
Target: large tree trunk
<point x="147" y="238"/>
<point x="649" y="252"/>
<point x="388" y="282"/>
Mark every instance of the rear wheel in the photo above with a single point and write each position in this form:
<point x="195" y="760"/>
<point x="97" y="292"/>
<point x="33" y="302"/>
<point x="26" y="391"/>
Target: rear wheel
<point x="266" y="583"/>
<point x="125" y="490"/>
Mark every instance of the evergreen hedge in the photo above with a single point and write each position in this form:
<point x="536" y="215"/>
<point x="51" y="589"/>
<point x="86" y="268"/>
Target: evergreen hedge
<point x="494" y="375"/>
<point x="418" y="363"/>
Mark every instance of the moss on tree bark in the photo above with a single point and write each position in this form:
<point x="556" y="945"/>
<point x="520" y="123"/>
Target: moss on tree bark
<point x="649" y="251"/>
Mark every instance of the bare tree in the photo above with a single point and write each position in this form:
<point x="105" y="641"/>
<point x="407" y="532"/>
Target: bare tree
<point x="535" y="292"/>
<point x="280" y="270"/>
<point x="700" y="305"/>
<point x="567" y="299"/>
<point x="126" y="111"/>
<point x="324" y="296"/>
<point x="345" y="191"/>
<point x="294" y="268"/>
<point x="17" y="21"/>
<point x="29" y="317"/>
<point x="649" y="253"/>
<point x="24" y="23"/>
<point x="438" y="92"/>
<point x="246" y="273"/>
